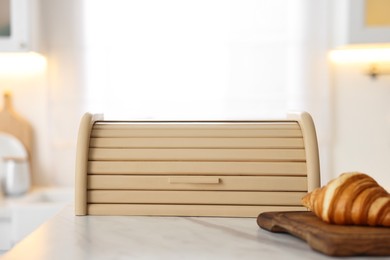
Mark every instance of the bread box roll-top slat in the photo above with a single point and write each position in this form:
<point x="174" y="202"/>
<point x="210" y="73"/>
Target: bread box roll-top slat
<point x="195" y="168"/>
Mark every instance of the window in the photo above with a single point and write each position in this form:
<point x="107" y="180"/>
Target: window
<point x="175" y="59"/>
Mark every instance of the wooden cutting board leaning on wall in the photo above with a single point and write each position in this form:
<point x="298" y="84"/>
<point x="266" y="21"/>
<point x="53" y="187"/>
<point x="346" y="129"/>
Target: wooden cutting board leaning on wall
<point x="12" y="123"/>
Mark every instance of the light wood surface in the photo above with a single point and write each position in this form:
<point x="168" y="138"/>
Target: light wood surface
<point x="153" y="182"/>
<point x="195" y="133"/>
<point x="198" y="125"/>
<point x="195" y="168"/>
<point x="81" y="170"/>
<point x="174" y="165"/>
<point x="184" y="210"/>
<point x="291" y="155"/>
<point x="177" y="142"/>
<point x="311" y="147"/>
<point x="195" y="197"/>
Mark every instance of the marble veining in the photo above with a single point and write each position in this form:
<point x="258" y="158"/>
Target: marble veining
<point x="136" y="237"/>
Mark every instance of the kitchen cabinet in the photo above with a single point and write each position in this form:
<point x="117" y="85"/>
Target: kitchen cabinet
<point x="361" y="22"/>
<point x="19" y="26"/>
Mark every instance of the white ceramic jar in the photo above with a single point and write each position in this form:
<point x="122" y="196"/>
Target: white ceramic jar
<point x="16" y="176"/>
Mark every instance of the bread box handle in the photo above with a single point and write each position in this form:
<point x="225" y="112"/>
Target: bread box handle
<point x="194" y="180"/>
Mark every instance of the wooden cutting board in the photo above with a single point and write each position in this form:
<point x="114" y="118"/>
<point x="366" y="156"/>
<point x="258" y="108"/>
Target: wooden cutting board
<point x="12" y="123"/>
<point x="333" y="240"/>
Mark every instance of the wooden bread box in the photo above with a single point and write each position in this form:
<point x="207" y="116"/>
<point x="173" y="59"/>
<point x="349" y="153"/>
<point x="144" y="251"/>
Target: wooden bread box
<point x="195" y="168"/>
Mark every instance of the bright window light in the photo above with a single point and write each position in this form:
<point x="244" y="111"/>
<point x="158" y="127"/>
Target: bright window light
<point x="186" y="59"/>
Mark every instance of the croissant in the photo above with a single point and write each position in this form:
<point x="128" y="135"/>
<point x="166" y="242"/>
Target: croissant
<point x="351" y="199"/>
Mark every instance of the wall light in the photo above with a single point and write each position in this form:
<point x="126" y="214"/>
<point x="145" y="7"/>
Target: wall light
<point x="15" y="63"/>
<point x="373" y="55"/>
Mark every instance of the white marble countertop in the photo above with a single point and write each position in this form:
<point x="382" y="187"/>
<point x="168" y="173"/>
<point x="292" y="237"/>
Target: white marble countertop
<point x="133" y="237"/>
